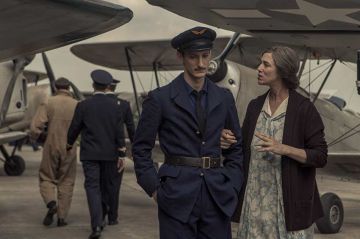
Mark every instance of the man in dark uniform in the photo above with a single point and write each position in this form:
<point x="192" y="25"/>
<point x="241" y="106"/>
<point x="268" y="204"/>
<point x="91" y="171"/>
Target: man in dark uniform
<point x="196" y="192"/>
<point x="102" y="144"/>
<point x="111" y="203"/>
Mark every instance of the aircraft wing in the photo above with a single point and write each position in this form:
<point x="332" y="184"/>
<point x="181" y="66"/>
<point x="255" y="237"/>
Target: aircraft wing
<point x="344" y="154"/>
<point x="250" y="49"/>
<point x="322" y="23"/>
<point x="34" y="76"/>
<point x="143" y="54"/>
<point x="343" y="165"/>
<point x="30" y="27"/>
<point x="11" y="136"/>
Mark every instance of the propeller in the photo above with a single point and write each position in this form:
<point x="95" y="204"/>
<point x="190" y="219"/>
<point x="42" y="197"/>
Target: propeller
<point x="19" y="65"/>
<point x="217" y="67"/>
<point x="77" y="93"/>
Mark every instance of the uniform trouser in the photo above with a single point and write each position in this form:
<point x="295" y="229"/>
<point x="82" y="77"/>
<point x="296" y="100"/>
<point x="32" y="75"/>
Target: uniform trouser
<point x="112" y="183"/>
<point x="96" y="188"/>
<point x="206" y="221"/>
<point x="57" y="178"/>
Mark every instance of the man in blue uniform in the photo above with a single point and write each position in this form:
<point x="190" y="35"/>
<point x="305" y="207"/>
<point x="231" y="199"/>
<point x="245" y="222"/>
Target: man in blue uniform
<point x="111" y="203"/>
<point x="98" y="120"/>
<point x="196" y="191"/>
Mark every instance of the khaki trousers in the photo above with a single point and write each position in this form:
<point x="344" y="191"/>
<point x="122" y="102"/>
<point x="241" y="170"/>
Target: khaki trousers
<point x="57" y="178"/>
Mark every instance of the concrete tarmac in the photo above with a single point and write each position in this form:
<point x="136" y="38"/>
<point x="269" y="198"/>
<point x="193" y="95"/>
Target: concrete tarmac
<point x="22" y="209"/>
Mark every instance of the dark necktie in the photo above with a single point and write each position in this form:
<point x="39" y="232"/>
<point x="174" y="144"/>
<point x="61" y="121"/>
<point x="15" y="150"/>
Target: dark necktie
<point x="200" y="112"/>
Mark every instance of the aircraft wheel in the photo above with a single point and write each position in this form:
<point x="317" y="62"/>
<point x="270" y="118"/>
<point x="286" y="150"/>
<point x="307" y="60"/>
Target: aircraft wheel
<point x="333" y="214"/>
<point x="14" y="166"/>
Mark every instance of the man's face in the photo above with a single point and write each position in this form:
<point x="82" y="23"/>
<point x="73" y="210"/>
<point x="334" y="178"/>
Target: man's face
<point x="196" y="63"/>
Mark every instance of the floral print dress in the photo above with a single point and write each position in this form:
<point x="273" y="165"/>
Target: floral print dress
<point x="263" y="209"/>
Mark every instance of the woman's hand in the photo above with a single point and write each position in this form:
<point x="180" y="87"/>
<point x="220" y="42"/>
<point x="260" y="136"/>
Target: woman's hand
<point x="269" y="144"/>
<point x="227" y="139"/>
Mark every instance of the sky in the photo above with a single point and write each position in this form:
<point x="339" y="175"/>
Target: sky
<point x="149" y="23"/>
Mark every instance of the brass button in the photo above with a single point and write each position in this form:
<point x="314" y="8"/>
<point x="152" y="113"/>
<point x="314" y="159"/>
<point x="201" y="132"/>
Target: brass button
<point x="203" y="142"/>
<point x="201" y="174"/>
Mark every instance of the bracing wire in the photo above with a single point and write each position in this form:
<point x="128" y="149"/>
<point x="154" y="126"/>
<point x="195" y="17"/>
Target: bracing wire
<point x="138" y="78"/>
<point x="344" y="136"/>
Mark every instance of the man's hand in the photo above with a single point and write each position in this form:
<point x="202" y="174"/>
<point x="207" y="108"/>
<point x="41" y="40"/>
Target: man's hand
<point x="121" y="164"/>
<point x="122" y="152"/>
<point x="154" y="196"/>
<point x="227" y="139"/>
<point x="68" y="147"/>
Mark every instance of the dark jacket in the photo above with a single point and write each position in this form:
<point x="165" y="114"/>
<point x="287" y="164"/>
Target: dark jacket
<point x="99" y="120"/>
<point x="167" y="112"/>
<point x="303" y="129"/>
<point x="127" y="116"/>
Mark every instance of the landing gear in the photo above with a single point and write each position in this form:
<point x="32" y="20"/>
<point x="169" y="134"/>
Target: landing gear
<point x="14" y="165"/>
<point x="333" y="214"/>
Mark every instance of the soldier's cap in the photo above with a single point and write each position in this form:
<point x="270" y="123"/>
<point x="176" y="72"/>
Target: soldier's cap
<point x="62" y="82"/>
<point x="115" y="82"/>
<point x="194" y="39"/>
<point x="101" y="77"/>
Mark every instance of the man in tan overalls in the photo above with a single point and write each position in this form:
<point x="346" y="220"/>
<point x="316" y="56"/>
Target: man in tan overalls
<point x="58" y="167"/>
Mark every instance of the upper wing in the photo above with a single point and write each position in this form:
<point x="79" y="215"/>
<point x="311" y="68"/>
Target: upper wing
<point x="250" y="49"/>
<point x="322" y="23"/>
<point x="29" y="27"/>
<point x="143" y="54"/>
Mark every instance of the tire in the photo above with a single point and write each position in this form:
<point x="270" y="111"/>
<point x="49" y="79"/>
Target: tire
<point x="14" y="166"/>
<point x="333" y="214"/>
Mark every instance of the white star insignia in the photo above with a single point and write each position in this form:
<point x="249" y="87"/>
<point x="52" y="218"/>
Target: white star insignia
<point x="317" y="14"/>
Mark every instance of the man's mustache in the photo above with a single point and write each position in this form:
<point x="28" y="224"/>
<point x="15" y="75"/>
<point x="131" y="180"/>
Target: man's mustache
<point x="200" y="69"/>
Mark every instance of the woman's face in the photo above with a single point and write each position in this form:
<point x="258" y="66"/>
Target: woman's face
<point x="267" y="71"/>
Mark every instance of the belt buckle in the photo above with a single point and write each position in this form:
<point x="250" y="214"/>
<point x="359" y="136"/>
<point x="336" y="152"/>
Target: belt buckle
<point x="206" y="162"/>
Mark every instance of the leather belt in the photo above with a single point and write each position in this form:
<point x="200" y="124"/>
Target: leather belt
<point x="200" y="162"/>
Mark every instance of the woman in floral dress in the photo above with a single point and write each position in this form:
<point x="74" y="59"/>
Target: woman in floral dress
<point x="283" y="142"/>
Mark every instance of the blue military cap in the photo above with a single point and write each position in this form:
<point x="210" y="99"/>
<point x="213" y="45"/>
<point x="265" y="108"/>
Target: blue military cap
<point x="101" y="77"/>
<point x="194" y="39"/>
<point x="115" y="82"/>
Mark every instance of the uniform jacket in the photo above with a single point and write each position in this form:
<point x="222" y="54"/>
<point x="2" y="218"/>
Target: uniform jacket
<point x="303" y="129"/>
<point x="57" y="112"/>
<point x="98" y="118"/>
<point x="167" y="112"/>
<point x="127" y="116"/>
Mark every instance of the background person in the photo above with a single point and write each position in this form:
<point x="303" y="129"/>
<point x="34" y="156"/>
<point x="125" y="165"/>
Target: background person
<point x="102" y="144"/>
<point x="58" y="167"/>
<point x="111" y="203"/>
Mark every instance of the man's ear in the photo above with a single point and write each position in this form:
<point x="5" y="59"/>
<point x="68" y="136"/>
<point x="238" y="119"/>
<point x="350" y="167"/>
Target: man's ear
<point x="179" y="55"/>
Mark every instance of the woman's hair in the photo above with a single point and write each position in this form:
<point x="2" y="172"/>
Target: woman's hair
<point x="287" y="64"/>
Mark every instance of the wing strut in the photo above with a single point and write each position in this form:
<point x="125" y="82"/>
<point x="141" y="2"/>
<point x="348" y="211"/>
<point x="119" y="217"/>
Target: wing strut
<point x="324" y="81"/>
<point x="155" y="68"/>
<point x="358" y="73"/>
<point x="303" y="63"/>
<point x="132" y="79"/>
